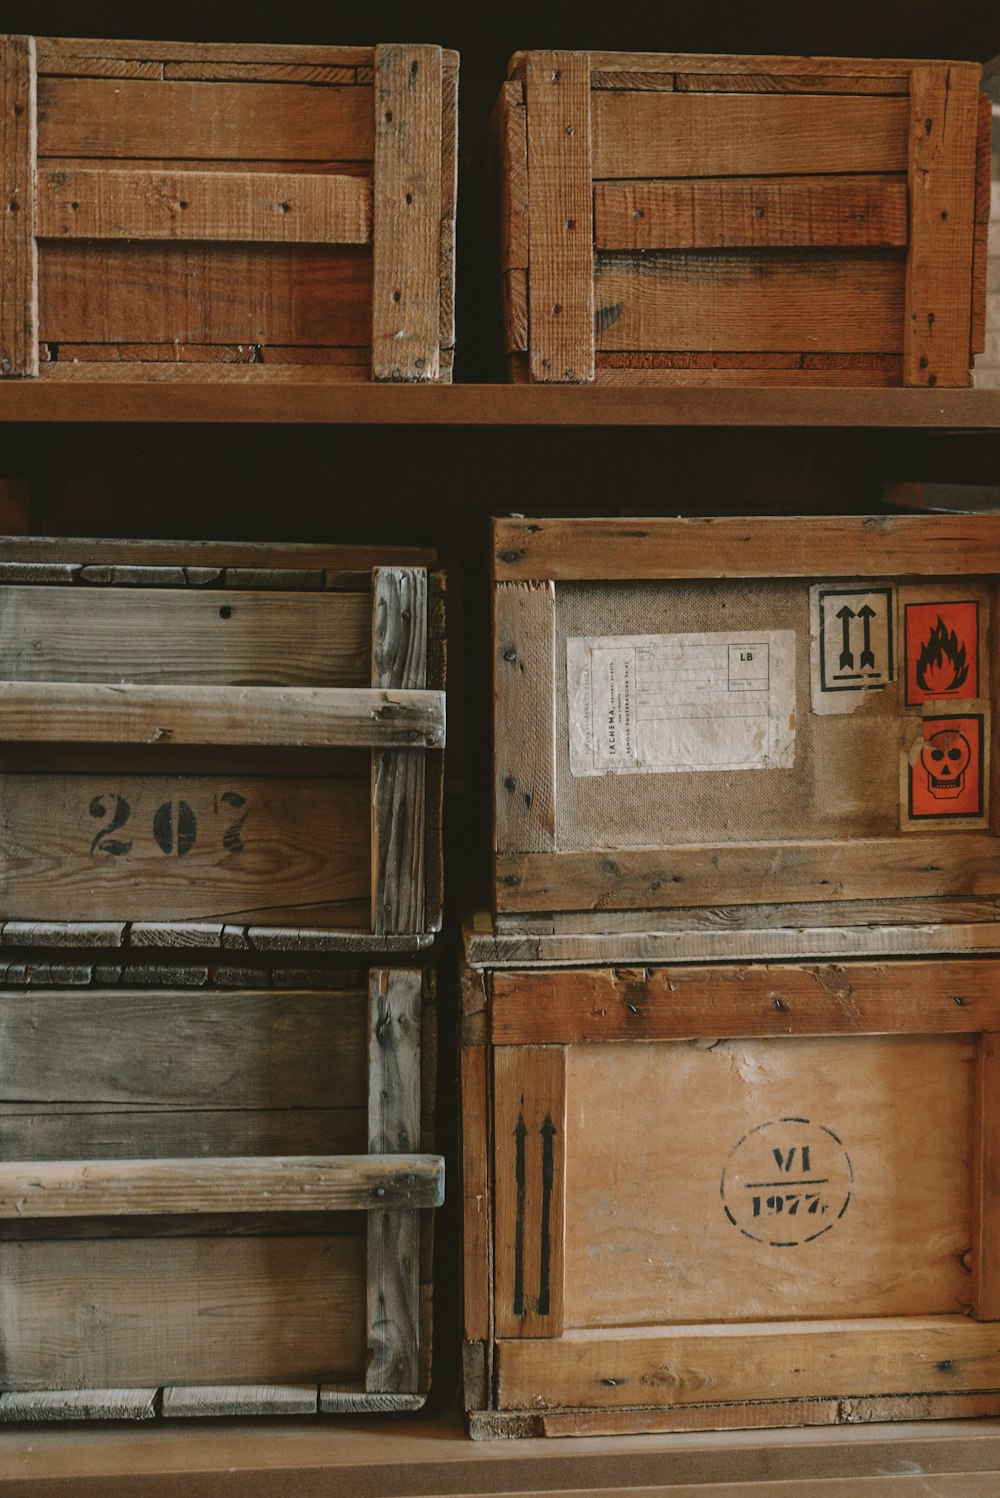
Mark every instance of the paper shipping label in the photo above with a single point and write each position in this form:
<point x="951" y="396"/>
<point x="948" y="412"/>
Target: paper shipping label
<point x="656" y="704"/>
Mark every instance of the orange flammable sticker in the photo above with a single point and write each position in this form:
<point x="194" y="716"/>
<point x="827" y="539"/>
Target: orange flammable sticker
<point x="946" y="778"/>
<point x="942" y="651"/>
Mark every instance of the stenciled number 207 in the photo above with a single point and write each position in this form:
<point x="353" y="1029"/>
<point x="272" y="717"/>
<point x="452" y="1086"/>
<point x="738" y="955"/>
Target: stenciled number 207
<point x="174" y="825"/>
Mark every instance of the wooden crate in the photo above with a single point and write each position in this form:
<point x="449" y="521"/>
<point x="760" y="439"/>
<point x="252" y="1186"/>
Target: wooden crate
<point x="216" y="1188"/>
<point x="719" y="712"/>
<point x="215" y="743"/>
<point x="708" y="220"/>
<point x="307" y="193"/>
<point x="713" y="1197"/>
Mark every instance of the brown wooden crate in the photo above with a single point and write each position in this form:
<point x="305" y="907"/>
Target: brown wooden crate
<point x="843" y="1261"/>
<point x="235" y="151"/>
<point x="215" y="643"/>
<point x="745" y="204"/>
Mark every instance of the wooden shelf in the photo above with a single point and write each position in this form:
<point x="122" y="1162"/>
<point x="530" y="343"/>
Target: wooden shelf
<point x="383" y="1456"/>
<point x="315" y="402"/>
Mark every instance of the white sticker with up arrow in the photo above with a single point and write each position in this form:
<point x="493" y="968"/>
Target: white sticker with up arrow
<point x="853" y="628"/>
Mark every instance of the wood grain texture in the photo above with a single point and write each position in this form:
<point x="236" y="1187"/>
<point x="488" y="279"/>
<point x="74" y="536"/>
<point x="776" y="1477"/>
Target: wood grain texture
<point x="104" y="292"/>
<point x="116" y="118"/>
<point x="18" y="251"/>
<point x="795" y="299"/>
<point x="986" y="1182"/>
<point x="340" y="1399"/>
<point x="399" y="824"/>
<point x="709" y="213"/>
<point x="78" y="1404"/>
<point x="766" y="546"/>
<point x="437" y="678"/>
<point x="733" y="63"/>
<point x="944" y="105"/>
<point x="524" y="672"/>
<point x="328" y="717"/>
<point x="407" y="175"/>
<point x="477" y="1244"/>
<point x="510" y="144"/>
<point x="230" y="1183"/>
<point x="392" y="1362"/>
<point x="772" y="1360"/>
<point x="56" y="49"/>
<point x="449" y="198"/>
<point x="529" y="1121"/>
<point x="141" y="204"/>
<point x="535" y="1007"/>
<point x="195" y="556"/>
<point x="239" y="1400"/>
<point x="561" y="283"/>
<point x="639" y="134"/>
<point x="259" y="72"/>
<point x="767" y="82"/>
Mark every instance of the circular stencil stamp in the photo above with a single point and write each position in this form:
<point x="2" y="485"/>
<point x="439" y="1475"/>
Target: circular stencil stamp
<point x="787" y="1182"/>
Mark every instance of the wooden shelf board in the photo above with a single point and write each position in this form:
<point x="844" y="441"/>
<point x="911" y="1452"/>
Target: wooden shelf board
<point x="319" y="402"/>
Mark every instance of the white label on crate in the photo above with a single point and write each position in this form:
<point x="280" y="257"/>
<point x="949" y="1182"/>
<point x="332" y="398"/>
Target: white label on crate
<point x="853" y="643"/>
<point x="654" y="704"/>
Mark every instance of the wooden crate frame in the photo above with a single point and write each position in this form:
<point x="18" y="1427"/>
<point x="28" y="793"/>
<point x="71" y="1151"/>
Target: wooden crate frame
<point x="388" y="112"/>
<point x="797" y="157"/>
<point x="397" y="1185"/>
<point x="400" y="718"/>
<point x="524" y="1377"/>
<point x="531" y="558"/>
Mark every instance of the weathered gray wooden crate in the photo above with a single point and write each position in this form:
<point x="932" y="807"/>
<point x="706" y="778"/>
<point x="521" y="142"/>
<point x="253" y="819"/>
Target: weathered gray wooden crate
<point x="219" y="744"/>
<point x="216" y="1188"/>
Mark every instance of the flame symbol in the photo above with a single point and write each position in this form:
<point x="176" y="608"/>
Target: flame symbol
<point x="941" y="655"/>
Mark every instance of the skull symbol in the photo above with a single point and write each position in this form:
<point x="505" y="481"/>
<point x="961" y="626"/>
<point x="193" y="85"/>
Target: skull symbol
<point x="946" y="758"/>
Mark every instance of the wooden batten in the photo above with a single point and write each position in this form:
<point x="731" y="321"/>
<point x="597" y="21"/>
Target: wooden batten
<point x="18" y="250"/>
<point x="524" y="681"/>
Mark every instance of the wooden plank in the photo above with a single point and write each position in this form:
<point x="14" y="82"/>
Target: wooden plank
<point x="514" y="298"/>
<point x="986" y="1183"/>
<point x="944" y="104"/>
<point x="88" y="934"/>
<point x="765" y="82"/>
<point x="277" y="638"/>
<point x="141" y="204"/>
<point x="980" y="275"/>
<point x="693" y="377"/>
<point x="984" y="149"/>
<point x="529" y="1122"/>
<point x="192" y="1310"/>
<point x="827" y="299"/>
<point x="328" y="717"/>
<point x="78" y="1404"/>
<point x="709" y="213"/>
<point x="337" y="1399"/>
<point x="240" y="1400"/>
<point x="57" y="48"/>
<point x="259" y="72"/>
<point x="393" y="1126"/>
<point x="767" y="546"/>
<point x="561" y="285"/>
<point x="477" y="1249"/>
<point x="399" y="827"/>
<point x="101" y="292"/>
<point x="228" y="1183"/>
<point x="85" y="66"/>
<point x="511" y="145"/>
<point x="437" y="675"/>
<point x="710" y="62"/>
<point x="407" y="176"/>
<point x="648" y="878"/>
<point x="449" y="198"/>
<point x="638" y="134"/>
<point x="91" y="117"/>
<point x="774" y="1359"/>
<point x="535" y="1007"/>
<point x="18" y="251"/>
<point x="524" y="673"/>
<point x="195" y="556"/>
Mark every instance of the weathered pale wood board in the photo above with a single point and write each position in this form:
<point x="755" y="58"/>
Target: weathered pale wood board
<point x="240" y="1400"/>
<point x="44" y="1405"/>
<point x="18" y="251"/>
<point x="62" y="1131"/>
<point x="524" y="675"/>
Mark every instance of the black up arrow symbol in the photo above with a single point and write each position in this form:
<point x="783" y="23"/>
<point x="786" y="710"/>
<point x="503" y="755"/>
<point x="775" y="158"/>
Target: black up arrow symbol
<point x="868" y="654"/>
<point x="545" y="1256"/>
<point x="520" y="1133"/>
<point x="847" y="654"/>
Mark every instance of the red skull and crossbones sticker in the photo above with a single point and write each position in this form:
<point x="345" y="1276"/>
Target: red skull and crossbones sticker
<point x="945" y="777"/>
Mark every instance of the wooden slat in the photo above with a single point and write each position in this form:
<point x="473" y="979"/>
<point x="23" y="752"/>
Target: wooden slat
<point x="767" y="546"/>
<point x="449" y="198"/>
<point x="437" y="675"/>
<point x="18" y="252"/>
<point x="828" y="299"/>
<point x="648" y="878"/>
<point x="213" y="554"/>
<point x="984" y="150"/>
<point x="399" y="811"/>
<point x="718" y="135"/>
<point x="262" y="206"/>
<point x="561" y="285"/>
<point x="392" y="1364"/>
<point x="329" y="717"/>
<point x="986" y="1182"/>
<point x="775" y="1359"/>
<point x="229" y="1183"/>
<point x="240" y="1399"/>
<point x="511" y="146"/>
<point x="56" y="48"/>
<point x="406" y="279"/>
<point x="87" y="66"/>
<point x="711" y="62"/>
<point x="765" y="82"/>
<point x="747" y="376"/>
<point x="529" y="1123"/>
<point x="735" y="212"/>
<point x="339" y="1399"/>
<point x="477" y="1248"/>
<point x="101" y="292"/>
<point x="78" y="1404"/>
<point x="214" y="121"/>
<point x="524" y="674"/>
<point x="534" y="1007"/>
<point x="944" y="104"/>
<point x="514" y="297"/>
<point x="259" y="72"/>
<point x="980" y="277"/>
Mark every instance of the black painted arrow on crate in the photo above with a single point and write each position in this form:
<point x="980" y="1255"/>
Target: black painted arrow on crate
<point x="847" y="654"/>
<point x="545" y="1252"/>
<point x="520" y="1134"/>
<point x="867" y="654"/>
<point x="547" y="1135"/>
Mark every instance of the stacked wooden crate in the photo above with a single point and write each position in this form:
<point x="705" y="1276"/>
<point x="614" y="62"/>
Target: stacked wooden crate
<point x="730" y="1038"/>
<point x="224" y="1160"/>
